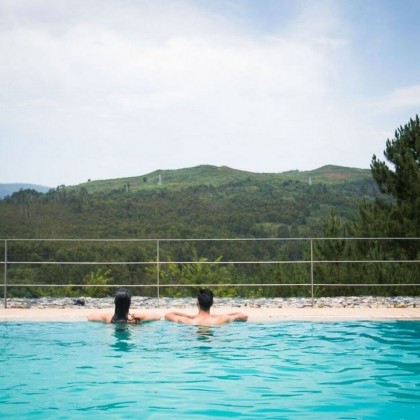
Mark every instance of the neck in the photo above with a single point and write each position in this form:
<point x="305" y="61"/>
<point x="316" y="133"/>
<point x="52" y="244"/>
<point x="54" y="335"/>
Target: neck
<point x="203" y="312"/>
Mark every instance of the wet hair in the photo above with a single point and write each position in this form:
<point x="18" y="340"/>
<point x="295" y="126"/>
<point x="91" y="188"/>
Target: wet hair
<point x="205" y="299"/>
<point x="122" y="305"/>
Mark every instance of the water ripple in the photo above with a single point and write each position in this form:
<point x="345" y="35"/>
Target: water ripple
<point x="163" y="370"/>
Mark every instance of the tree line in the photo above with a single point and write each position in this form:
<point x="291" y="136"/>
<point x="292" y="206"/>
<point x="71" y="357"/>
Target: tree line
<point x="388" y="205"/>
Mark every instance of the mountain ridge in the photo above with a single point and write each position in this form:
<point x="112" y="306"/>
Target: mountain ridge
<point x="10" y="188"/>
<point x="201" y="175"/>
<point x="216" y="176"/>
<point x="203" y="201"/>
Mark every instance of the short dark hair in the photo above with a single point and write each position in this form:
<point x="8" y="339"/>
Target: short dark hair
<point x="205" y="299"/>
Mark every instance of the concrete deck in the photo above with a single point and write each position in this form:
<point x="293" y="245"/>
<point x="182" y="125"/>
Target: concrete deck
<point x="263" y="314"/>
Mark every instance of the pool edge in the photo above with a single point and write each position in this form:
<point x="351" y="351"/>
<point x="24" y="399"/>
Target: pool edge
<point x="264" y="314"/>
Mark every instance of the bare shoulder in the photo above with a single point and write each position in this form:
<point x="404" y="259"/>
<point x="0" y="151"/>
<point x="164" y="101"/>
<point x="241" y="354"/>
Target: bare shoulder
<point x="180" y="318"/>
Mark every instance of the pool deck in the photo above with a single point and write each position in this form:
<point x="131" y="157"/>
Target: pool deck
<point x="262" y="314"/>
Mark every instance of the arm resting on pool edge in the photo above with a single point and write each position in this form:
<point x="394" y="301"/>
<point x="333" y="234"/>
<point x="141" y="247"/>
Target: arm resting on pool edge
<point x="231" y="317"/>
<point x="146" y="317"/>
<point x="238" y="317"/>
<point x="99" y="317"/>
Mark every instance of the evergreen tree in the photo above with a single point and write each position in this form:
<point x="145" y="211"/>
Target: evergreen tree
<point x="401" y="181"/>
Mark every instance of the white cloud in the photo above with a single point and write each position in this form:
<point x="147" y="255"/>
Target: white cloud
<point x="401" y="98"/>
<point x="103" y="89"/>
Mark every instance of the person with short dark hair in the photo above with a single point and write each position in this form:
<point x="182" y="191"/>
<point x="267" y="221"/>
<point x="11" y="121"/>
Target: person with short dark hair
<point x="121" y="314"/>
<point x="204" y="303"/>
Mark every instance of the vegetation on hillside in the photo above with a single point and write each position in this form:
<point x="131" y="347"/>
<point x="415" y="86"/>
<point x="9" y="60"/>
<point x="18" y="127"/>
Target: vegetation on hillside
<point x="211" y="202"/>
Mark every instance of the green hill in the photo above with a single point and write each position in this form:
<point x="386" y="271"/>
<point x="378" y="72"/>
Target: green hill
<point x="214" y="176"/>
<point x="192" y="203"/>
<point x="205" y="201"/>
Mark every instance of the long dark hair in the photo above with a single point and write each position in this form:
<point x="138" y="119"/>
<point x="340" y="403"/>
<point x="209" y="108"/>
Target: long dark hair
<point x="122" y="305"/>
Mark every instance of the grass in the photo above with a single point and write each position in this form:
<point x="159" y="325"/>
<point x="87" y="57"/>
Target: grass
<point x="213" y="176"/>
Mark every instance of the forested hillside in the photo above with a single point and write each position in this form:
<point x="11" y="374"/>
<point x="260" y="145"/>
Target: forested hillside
<point x="219" y="202"/>
<point x="205" y="201"/>
<point x="201" y="202"/>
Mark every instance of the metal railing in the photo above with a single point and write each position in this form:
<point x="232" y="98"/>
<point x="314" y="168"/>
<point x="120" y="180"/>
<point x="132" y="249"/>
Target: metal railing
<point x="158" y="262"/>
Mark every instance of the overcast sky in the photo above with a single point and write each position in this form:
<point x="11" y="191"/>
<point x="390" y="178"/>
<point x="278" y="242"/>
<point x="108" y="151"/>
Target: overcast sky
<point x="100" y="89"/>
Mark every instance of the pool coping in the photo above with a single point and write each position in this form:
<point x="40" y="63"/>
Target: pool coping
<point x="262" y="314"/>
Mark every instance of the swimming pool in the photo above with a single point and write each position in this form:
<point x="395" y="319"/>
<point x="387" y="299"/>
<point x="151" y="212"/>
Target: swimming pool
<point x="242" y="370"/>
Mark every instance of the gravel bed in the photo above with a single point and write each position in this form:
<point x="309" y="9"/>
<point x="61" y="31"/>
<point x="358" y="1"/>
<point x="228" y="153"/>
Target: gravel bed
<point x="150" y="303"/>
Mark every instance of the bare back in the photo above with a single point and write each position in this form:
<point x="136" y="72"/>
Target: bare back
<point x="135" y="318"/>
<point x="205" y="318"/>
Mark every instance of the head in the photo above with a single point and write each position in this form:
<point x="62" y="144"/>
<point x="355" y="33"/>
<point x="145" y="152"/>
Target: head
<point x="122" y="305"/>
<point x="205" y="299"/>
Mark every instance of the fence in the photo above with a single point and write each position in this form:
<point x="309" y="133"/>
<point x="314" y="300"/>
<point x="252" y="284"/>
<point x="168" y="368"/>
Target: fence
<point x="304" y="257"/>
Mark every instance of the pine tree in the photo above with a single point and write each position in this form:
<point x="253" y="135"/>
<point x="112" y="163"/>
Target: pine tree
<point x="401" y="181"/>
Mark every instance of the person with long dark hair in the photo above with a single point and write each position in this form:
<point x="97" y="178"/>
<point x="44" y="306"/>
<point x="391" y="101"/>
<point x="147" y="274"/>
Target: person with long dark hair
<point x="121" y="313"/>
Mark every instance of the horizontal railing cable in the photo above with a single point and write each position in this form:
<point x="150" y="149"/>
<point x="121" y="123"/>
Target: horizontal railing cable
<point x="312" y="262"/>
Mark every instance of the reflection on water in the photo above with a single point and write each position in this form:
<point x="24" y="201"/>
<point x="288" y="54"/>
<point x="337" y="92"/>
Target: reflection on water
<point x="204" y="333"/>
<point x="123" y="338"/>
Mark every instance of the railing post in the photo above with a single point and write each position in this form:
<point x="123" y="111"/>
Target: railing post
<point x="158" y="270"/>
<point x="5" y="273"/>
<point x="312" y="271"/>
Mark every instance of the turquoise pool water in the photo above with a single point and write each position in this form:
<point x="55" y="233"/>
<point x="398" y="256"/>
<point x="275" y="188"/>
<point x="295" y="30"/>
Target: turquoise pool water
<point x="244" y="370"/>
